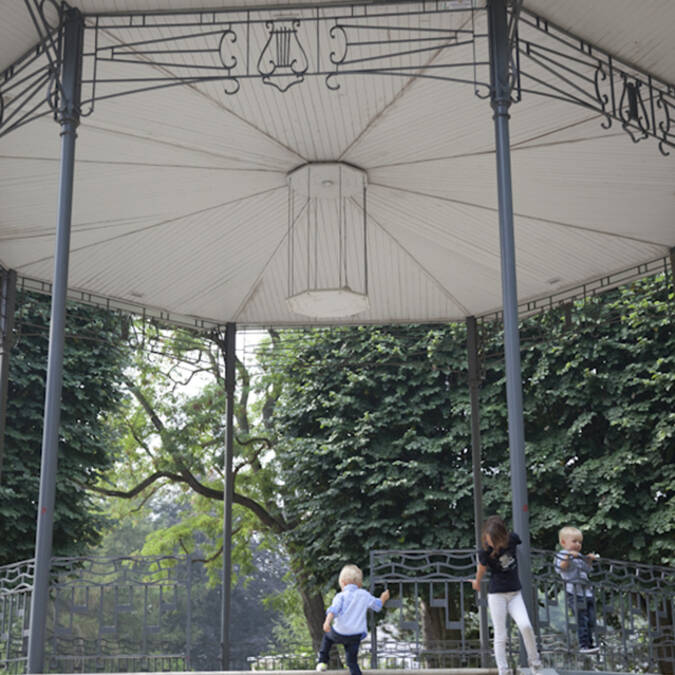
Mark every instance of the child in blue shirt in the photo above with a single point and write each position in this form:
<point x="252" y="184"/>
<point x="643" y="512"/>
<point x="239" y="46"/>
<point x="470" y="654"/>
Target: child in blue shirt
<point x="347" y="614"/>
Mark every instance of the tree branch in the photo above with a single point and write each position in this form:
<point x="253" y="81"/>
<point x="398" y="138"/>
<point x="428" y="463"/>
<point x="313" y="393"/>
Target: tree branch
<point x="241" y="410"/>
<point x="137" y="489"/>
<point x="154" y="417"/>
<point x="264" y="516"/>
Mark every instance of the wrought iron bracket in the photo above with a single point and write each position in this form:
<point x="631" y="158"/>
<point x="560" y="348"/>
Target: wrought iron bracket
<point x="555" y="64"/>
<point x="30" y="87"/>
<point x="281" y="49"/>
<point x="512" y="37"/>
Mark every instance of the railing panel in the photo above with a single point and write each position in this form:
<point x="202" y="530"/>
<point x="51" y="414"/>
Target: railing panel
<point x="105" y="614"/>
<point x="435" y="613"/>
<point x="134" y="614"/>
<point x="634" y="605"/>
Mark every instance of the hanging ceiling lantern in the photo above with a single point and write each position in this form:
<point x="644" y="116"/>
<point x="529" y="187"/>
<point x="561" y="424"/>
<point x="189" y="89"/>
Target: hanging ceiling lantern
<point x="327" y="246"/>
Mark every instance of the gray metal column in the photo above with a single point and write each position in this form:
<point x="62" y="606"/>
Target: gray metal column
<point x="7" y="303"/>
<point x="230" y="341"/>
<point x="501" y="100"/>
<point x="474" y="385"/>
<point x="69" y="117"/>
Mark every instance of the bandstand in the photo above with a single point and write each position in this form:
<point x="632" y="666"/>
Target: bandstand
<point x="302" y="164"/>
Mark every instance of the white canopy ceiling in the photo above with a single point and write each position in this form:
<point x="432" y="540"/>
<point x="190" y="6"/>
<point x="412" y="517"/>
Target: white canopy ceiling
<point x="181" y="198"/>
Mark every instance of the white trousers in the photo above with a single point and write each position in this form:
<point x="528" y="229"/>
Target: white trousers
<point x="513" y="603"/>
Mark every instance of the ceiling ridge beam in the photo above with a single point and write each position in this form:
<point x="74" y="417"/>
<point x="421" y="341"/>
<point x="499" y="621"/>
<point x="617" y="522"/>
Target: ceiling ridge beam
<point x="541" y="219"/>
<point x="443" y="290"/>
<point x="160" y="223"/>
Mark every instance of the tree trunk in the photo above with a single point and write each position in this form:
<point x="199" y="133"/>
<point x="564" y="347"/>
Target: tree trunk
<point x="315" y="614"/>
<point x="660" y="625"/>
<point x="312" y="605"/>
<point x="436" y="636"/>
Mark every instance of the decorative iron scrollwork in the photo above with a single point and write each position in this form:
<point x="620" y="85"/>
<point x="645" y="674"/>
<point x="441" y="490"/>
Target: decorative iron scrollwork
<point x="32" y="81"/>
<point x="568" y="69"/>
<point x="338" y="55"/>
<point x="663" y="125"/>
<point x="632" y="110"/>
<point x="52" y="95"/>
<point x="600" y="77"/>
<point x="124" y="55"/>
<point x="141" y="52"/>
<point x="283" y="61"/>
<point x="229" y="61"/>
<point x="334" y="32"/>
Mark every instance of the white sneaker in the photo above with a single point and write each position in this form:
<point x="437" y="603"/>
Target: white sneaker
<point x="535" y="669"/>
<point x="321" y="667"/>
<point x="589" y="650"/>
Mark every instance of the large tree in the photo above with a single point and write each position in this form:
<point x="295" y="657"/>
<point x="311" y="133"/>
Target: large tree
<point x="359" y="438"/>
<point x="374" y="434"/>
<point x="94" y="360"/>
<point x="374" y="423"/>
<point x="172" y="440"/>
<point x="600" y="422"/>
<point x="372" y="448"/>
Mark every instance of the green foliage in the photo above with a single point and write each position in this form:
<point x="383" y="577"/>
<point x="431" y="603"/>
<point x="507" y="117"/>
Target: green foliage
<point x="290" y="630"/>
<point x="172" y="428"/>
<point x="600" y="423"/>
<point x="94" y="359"/>
<point x="374" y="439"/>
<point x="367" y="439"/>
<point x="368" y="447"/>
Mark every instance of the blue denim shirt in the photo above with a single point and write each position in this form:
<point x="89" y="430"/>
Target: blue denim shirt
<point x="349" y="607"/>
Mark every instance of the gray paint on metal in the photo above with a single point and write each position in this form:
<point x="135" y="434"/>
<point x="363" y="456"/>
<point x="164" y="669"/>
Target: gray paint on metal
<point x="228" y="489"/>
<point x="69" y="114"/>
<point x="7" y="302"/>
<point x="501" y="101"/>
<point x="474" y="386"/>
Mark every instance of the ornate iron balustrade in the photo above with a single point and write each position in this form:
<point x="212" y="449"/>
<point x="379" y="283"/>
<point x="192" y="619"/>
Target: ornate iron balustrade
<point x="135" y="614"/>
<point x="635" y="607"/>
<point x="106" y="614"/>
<point x="16" y="585"/>
<point x="435" y="617"/>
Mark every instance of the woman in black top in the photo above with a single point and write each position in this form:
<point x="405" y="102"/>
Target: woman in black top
<point x="499" y="555"/>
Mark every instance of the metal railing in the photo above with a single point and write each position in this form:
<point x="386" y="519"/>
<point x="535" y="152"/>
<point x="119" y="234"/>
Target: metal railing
<point x="634" y="604"/>
<point x="435" y="617"/>
<point x="105" y="614"/>
<point x="135" y="614"/>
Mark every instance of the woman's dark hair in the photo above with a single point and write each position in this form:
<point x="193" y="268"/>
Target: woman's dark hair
<point x="495" y="528"/>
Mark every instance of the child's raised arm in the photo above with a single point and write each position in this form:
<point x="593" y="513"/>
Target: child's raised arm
<point x="384" y="596"/>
